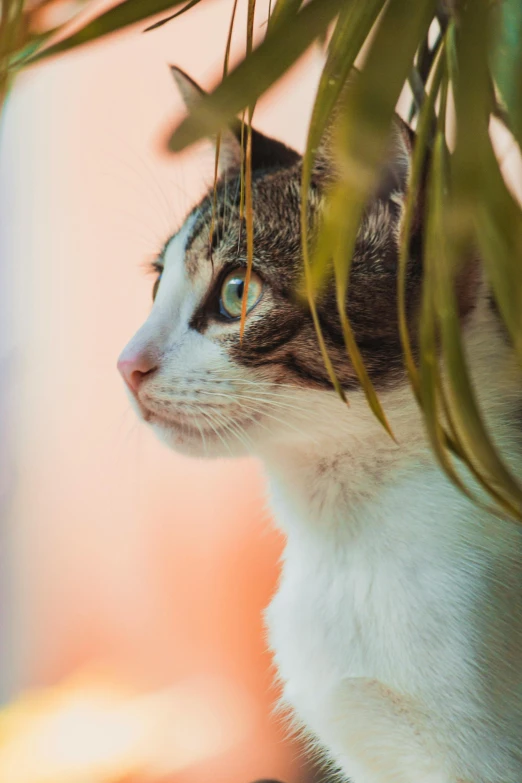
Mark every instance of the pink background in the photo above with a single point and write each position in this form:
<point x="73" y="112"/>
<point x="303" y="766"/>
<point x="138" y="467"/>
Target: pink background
<point x="122" y="553"/>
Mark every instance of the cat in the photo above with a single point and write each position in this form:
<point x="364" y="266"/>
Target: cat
<point x="397" y="625"/>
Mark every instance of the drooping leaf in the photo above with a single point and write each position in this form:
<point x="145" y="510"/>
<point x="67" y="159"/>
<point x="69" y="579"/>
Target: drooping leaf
<point x="249" y="207"/>
<point x="365" y="122"/>
<point x="226" y="61"/>
<point x="449" y="246"/>
<point x="422" y="140"/>
<point x="484" y="208"/>
<point x="185" y="8"/>
<point x="283" y="9"/>
<point x="465" y="414"/>
<point x="278" y="52"/>
<point x="122" y="15"/>
<point x="506" y="61"/>
<point x="351" y="30"/>
<point x="17" y="57"/>
<point x="367" y="115"/>
<point x="431" y="392"/>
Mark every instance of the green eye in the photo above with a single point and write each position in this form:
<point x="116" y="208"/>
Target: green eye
<point x="232" y="292"/>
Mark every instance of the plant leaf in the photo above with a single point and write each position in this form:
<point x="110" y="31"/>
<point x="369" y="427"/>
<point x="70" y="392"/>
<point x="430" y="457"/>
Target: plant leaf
<point x="453" y="245"/>
<point x="424" y="128"/>
<point x="484" y="209"/>
<point x="351" y="30"/>
<point x="466" y="417"/>
<point x="365" y="119"/>
<point x="278" y="52"/>
<point x="431" y="392"/>
<point x="283" y="9"/>
<point x="117" y="18"/>
<point x="187" y="7"/>
<point x="226" y="60"/>
<point x="506" y="61"/>
<point x="249" y="208"/>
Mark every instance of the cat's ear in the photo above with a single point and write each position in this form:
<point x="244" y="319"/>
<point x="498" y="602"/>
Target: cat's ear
<point x="267" y="153"/>
<point x="191" y="93"/>
<point x="395" y="171"/>
<point x="393" y="177"/>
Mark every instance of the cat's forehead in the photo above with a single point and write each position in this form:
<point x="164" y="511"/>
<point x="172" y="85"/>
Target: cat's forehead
<point x="214" y="234"/>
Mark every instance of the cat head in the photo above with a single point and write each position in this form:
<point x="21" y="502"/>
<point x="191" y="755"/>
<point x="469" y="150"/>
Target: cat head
<point x="191" y="376"/>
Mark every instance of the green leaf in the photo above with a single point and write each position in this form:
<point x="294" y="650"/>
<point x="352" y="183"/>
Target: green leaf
<point x="249" y="207"/>
<point x="278" y="52"/>
<point x="466" y="417"/>
<point x="484" y="209"/>
<point x="283" y="10"/>
<point x="30" y="47"/>
<point x="185" y="8"/>
<point x="431" y="392"/>
<point x="424" y="129"/>
<point x="367" y="114"/>
<point x="443" y="264"/>
<point x="117" y="18"/>
<point x="351" y="30"/>
<point x="506" y="61"/>
<point x="13" y="29"/>
<point x="365" y="119"/>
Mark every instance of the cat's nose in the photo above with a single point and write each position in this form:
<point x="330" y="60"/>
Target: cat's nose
<point x="134" y="366"/>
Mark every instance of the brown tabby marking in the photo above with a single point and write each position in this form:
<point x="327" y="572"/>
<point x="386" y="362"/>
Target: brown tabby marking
<point x="284" y="340"/>
<point x="279" y="333"/>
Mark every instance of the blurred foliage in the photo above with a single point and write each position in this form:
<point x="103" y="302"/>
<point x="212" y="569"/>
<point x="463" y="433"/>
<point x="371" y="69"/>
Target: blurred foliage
<point x="462" y="59"/>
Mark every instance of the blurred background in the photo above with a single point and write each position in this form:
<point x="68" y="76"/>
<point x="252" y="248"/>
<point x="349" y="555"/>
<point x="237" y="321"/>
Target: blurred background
<point x="132" y="579"/>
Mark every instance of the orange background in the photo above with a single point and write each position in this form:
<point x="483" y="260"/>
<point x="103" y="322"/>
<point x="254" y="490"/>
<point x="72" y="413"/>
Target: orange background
<point x="121" y="553"/>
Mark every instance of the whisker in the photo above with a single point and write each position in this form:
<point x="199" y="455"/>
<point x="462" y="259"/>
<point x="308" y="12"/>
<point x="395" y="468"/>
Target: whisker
<point x="208" y="419"/>
<point x="264" y="400"/>
<point x="280" y="421"/>
<point x="236" y="429"/>
<point x="201" y="432"/>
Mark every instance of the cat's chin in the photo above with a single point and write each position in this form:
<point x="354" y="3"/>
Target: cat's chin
<point x="194" y="442"/>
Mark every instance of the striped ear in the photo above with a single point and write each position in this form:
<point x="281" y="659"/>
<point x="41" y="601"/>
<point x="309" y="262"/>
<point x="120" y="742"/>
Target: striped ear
<point x="396" y="166"/>
<point x="191" y="93"/>
<point x="267" y="153"/>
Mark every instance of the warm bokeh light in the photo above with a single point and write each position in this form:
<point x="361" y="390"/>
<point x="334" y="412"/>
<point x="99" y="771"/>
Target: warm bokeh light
<point x="91" y="730"/>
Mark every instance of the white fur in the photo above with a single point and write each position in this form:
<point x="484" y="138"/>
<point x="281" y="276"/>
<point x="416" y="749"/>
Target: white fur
<point x="397" y="626"/>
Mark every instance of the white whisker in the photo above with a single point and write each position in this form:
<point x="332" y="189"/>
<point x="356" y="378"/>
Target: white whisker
<point x="208" y="419"/>
<point x="263" y="400"/>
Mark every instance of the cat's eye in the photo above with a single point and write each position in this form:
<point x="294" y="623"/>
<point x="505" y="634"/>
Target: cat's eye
<point x="233" y="291"/>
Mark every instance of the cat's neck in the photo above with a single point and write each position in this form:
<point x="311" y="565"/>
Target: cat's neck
<point x="348" y="468"/>
<point x="353" y="474"/>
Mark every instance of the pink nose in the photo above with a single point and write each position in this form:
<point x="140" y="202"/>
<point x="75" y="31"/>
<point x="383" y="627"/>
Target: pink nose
<point x="134" y="368"/>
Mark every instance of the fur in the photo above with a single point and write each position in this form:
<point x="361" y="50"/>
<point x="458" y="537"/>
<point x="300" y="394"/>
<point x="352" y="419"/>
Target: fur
<point x="397" y="625"/>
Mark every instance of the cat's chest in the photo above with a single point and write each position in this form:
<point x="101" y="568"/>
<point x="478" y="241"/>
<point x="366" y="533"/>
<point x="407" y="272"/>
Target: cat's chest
<point x="361" y="606"/>
<point x="335" y="615"/>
